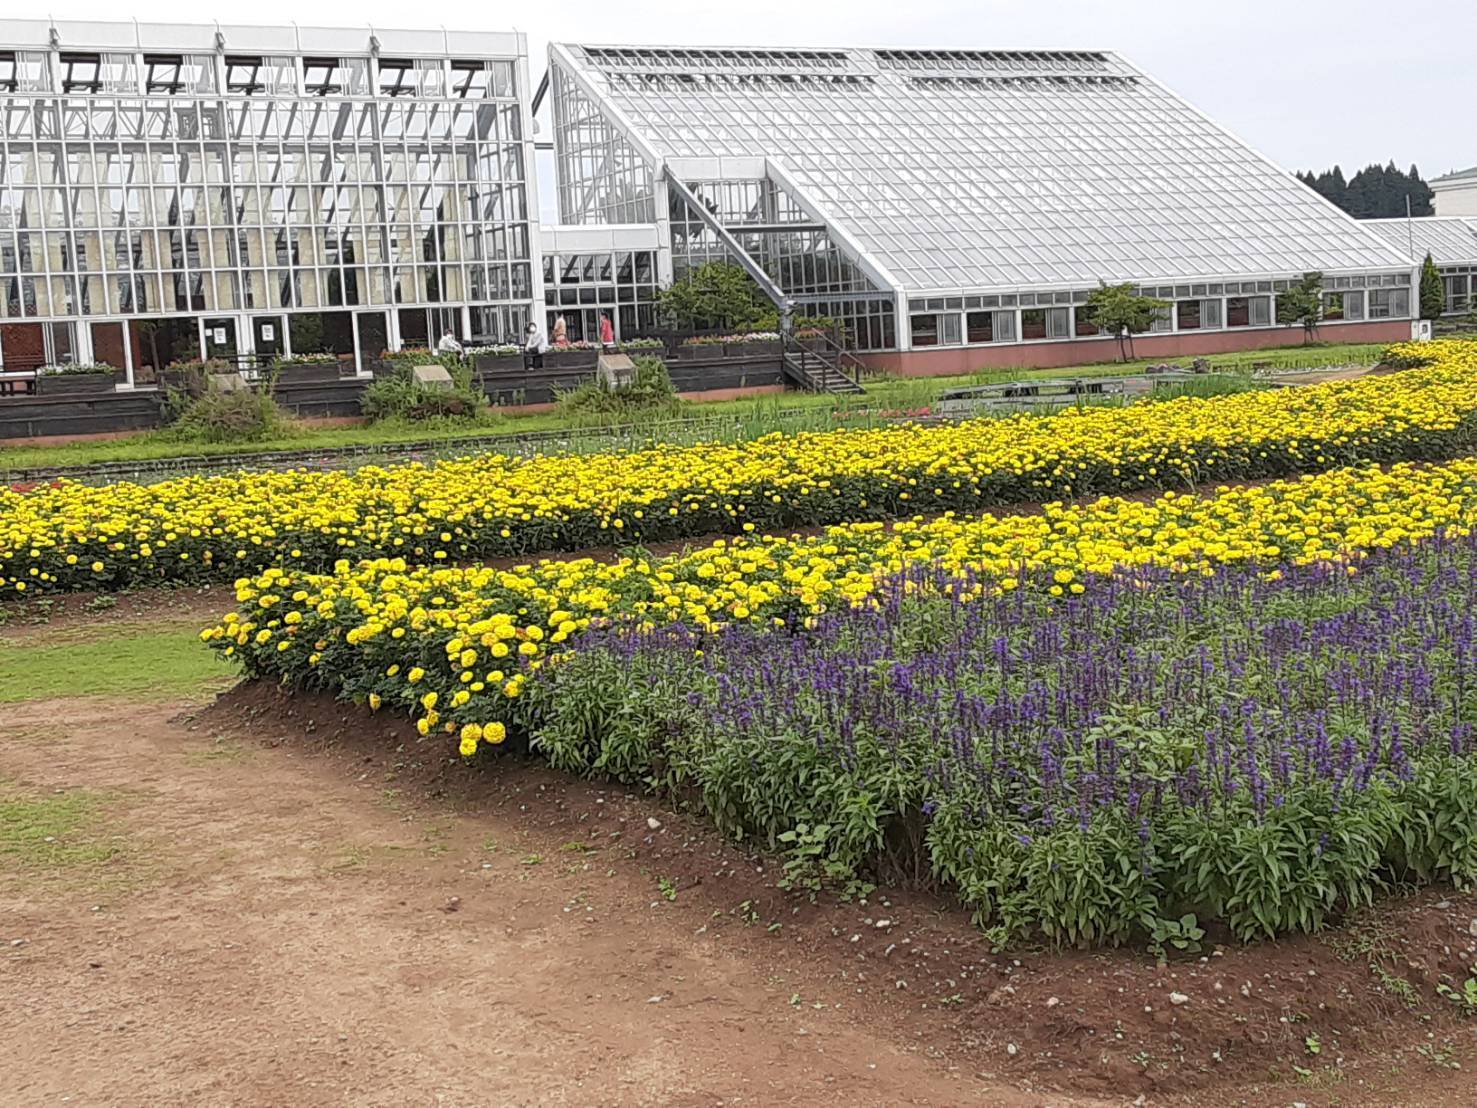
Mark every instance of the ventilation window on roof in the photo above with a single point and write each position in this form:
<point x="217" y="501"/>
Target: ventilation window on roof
<point x="397" y="77"/>
<point x="81" y="72"/>
<point x="468" y="80"/>
<point x="243" y="75"/>
<point x="322" y="76"/>
<point x="162" y="72"/>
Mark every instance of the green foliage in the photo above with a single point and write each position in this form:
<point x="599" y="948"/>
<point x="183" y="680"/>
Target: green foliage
<point x="716" y="296"/>
<point x="1303" y="304"/>
<point x="650" y="392"/>
<point x="1119" y="311"/>
<point x="1183" y="934"/>
<point x="1464" y="996"/>
<point x="398" y="396"/>
<point x="220" y="416"/>
<point x="1433" y="290"/>
<point x="1375" y="192"/>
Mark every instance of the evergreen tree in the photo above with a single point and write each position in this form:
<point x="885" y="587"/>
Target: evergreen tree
<point x="1376" y="191"/>
<point x="1433" y="290"/>
<point x="1421" y="197"/>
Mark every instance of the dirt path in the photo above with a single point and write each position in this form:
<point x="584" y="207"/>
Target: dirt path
<point x="282" y="900"/>
<point x="288" y="934"/>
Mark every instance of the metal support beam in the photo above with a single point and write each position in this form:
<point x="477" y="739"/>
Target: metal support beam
<point x="775" y="228"/>
<point x="725" y="236"/>
<point x="540" y="93"/>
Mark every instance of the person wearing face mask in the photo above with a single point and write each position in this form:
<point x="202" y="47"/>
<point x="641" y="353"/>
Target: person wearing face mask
<point x="534" y="347"/>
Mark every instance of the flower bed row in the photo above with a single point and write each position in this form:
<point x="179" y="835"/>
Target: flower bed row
<point x="457" y="647"/>
<point x="1260" y="753"/>
<point x="215" y="528"/>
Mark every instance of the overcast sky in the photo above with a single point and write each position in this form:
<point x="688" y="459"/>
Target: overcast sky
<point x="1309" y="84"/>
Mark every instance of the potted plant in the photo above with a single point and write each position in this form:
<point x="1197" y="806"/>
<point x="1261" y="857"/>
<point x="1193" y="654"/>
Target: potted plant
<point x="306" y="369"/>
<point x="72" y="380"/>
<point x="505" y="357"/>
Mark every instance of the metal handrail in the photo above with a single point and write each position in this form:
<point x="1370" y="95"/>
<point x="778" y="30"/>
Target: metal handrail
<point x="794" y="353"/>
<point x="858" y="366"/>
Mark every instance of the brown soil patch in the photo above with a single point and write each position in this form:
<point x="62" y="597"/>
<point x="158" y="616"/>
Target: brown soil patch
<point x="337" y="912"/>
<point x="198" y="604"/>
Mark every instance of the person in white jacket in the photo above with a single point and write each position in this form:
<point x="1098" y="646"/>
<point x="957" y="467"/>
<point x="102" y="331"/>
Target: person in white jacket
<point x="534" y="347"/>
<point x="448" y="345"/>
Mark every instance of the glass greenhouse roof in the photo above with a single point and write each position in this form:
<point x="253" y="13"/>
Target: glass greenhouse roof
<point x="1448" y="239"/>
<point x="973" y="170"/>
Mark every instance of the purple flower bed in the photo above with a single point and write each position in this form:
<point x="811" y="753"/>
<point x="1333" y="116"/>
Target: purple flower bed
<point x="1261" y="753"/>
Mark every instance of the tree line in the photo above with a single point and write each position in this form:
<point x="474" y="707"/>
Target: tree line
<point x="1374" y="192"/>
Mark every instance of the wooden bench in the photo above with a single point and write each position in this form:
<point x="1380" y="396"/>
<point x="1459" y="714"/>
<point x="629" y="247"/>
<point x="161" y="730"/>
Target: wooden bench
<point x="16" y="382"/>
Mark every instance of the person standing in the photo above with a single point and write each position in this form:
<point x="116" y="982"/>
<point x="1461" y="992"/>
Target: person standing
<point x="534" y="347"/>
<point x="561" y="331"/>
<point x="607" y="333"/>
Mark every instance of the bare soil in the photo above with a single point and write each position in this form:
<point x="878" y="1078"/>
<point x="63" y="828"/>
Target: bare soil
<point x="318" y="907"/>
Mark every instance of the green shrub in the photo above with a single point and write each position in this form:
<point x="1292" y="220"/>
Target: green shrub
<point x="399" y="396"/>
<point x="218" y="416"/>
<point x="650" y="392"/>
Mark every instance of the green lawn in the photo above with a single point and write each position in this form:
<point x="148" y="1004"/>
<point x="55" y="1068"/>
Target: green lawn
<point x="50" y="831"/>
<point x="746" y="417"/>
<point x="108" y="660"/>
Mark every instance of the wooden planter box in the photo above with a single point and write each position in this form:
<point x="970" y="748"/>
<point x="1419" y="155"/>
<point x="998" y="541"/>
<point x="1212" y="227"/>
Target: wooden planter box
<point x="697" y="352"/>
<point x="751" y="350"/>
<point x="73" y="384"/>
<point x="311" y="373"/>
<point x="570" y="359"/>
<point x="499" y="363"/>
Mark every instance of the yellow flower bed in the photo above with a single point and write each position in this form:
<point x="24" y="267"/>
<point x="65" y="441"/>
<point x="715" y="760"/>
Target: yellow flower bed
<point x="454" y="645"/>
<point x="215" y="528"/>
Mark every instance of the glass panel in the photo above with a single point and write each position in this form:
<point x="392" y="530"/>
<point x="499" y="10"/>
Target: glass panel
<point x="970" y="171"/>
<point x="268" y="336"/>
<point x="924" y="330"/>
<point x="374" y="334"/>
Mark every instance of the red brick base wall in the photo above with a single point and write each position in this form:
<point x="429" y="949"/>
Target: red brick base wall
<point x="943" y="362"/>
